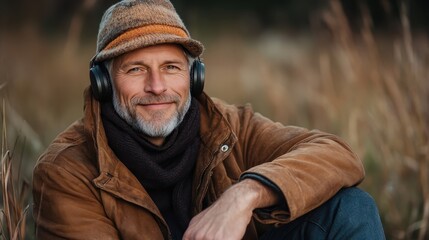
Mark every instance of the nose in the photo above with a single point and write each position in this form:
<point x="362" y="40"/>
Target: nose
<point x="155" y="84"/>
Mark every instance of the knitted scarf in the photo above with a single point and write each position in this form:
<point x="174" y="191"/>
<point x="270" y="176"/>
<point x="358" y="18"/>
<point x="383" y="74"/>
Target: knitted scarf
<point x="164" y="171"/>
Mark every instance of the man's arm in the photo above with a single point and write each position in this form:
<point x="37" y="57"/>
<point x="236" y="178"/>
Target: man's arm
<point x="306" y="167"/>
<point x="229" y="216"/>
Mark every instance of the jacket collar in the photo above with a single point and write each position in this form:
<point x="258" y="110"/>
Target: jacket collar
<point x="217" y="140"/>
<point x="215" y="131"/>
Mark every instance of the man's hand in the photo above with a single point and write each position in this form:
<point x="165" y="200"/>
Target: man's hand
<point x="229" y="216"/>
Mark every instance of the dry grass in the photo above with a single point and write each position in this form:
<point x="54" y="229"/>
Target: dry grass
<point x="14" y="192"/>
<point x="390" y="125"/>
<point x="371" y="89"/>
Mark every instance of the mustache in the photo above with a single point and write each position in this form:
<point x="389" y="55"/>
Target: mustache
<point x="154" y="99"/>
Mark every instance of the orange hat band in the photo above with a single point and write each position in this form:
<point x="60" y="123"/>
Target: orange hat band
<point x="146" y="30"/>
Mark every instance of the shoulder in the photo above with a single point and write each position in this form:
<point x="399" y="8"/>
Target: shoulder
<point x="230" y="112"/>
<point x="71" y="151"/>
<point x="243" y="116"/>
<point x="227" y="108"/>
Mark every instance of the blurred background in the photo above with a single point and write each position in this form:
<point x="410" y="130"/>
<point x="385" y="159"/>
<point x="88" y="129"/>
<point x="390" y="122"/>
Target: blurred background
<point x="355" y="68"/>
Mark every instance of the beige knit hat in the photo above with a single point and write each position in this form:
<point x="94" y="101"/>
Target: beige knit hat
<point x="132" y="24"/>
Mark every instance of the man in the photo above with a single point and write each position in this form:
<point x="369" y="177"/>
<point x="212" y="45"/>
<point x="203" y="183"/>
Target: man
<point x="155" y="158"/>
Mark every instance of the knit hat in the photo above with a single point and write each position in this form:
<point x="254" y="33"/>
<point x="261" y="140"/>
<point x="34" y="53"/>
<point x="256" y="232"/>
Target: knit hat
<point x="132" y="24"/>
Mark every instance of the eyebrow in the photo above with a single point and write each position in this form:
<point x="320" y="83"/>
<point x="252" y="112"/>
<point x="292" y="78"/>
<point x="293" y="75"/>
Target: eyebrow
<point x="142" y="63"/>
<point x="139" y="62"/>
<point x="175" y="62"/>
<point x="132" y="63"/>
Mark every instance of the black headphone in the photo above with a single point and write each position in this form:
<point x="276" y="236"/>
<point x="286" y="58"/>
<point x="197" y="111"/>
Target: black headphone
<point x="102" y="88"/>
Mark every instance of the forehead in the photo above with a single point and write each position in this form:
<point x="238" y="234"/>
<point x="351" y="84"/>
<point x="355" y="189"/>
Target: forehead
<point x="165" y="52"/>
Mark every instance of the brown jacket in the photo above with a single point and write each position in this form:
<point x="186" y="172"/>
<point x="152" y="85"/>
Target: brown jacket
<point x="83" y="191"/>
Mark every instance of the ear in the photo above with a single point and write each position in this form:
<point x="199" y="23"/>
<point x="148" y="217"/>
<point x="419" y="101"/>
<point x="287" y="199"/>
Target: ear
<point x="100" y="82"/>
<point x="197" y="77"/>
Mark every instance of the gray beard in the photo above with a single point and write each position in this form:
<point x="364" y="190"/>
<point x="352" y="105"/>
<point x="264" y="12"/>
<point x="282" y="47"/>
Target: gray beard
<point x="154" y="128"/>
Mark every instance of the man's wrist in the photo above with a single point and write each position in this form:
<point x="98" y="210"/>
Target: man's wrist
<point x="257" y="194"/>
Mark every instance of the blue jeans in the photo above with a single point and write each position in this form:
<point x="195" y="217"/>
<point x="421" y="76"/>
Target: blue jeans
<point x="350" y="214"/>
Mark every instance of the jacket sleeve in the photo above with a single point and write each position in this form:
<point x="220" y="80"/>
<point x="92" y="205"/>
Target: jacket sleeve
<point x="67" y="206"/>
<point x="308" y="167"/>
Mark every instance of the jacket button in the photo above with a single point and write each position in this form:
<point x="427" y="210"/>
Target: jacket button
<point x="224" y="148"/>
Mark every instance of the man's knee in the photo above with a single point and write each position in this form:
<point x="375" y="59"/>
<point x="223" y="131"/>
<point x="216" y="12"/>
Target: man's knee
<point x="355" y="202"/>
<point x="355" y="214"/>
<point x="350" y="214"/>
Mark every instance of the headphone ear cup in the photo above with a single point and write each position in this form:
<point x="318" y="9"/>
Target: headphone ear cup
<point x="197" y="72"/>
<point x="100" y="82"/>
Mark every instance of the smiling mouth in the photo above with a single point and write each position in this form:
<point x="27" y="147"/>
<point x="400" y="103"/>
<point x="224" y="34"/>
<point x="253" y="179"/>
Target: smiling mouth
<point x="156" y="105"/>
<point x="155" y="102"/>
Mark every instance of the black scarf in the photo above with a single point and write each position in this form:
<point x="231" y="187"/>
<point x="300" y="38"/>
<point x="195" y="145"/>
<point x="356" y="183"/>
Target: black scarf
<point x="165" y="171"/>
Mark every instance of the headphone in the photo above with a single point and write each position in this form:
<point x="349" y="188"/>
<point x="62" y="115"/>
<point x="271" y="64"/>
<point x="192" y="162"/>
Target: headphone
<point x="101" y="85"/>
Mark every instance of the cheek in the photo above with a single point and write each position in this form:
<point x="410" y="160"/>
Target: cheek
<point x="184" y="88"/>
<point x="125" y="92"/>
<point x="121" y="99"/>
<point x="181" y="85"/>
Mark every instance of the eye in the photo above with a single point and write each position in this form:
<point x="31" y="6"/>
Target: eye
<point x="136" y="70"/>
<point x="172" y="67"/>
<point x="133" y="70"/>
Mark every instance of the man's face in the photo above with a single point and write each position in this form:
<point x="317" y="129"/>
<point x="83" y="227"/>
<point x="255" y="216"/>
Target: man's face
<point x="152" y="89"/>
